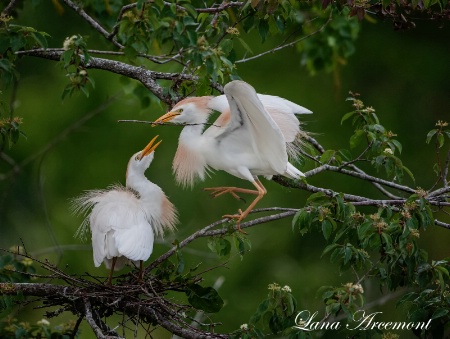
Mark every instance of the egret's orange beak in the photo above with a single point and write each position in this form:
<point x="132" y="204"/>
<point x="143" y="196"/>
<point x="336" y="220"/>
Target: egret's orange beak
<point x="149" y="148"/>
<point x="166" y="117"/>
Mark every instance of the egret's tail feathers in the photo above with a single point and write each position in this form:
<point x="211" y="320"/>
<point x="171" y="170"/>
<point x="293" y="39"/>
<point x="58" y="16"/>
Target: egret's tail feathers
<point x="292" y="172"/>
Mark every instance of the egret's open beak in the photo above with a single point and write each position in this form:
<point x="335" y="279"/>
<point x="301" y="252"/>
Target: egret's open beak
<point x="166" y="117"/>
<point x="149" y="148"/>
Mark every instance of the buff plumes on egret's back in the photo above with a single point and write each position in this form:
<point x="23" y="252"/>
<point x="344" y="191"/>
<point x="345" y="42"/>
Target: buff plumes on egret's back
<point x="252" y="137"/>
<point x="124" y="220"/>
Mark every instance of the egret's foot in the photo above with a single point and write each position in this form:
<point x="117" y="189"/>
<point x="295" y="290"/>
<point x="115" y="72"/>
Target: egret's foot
<point x="217" y="191"/>
<point x="239" y="218"/>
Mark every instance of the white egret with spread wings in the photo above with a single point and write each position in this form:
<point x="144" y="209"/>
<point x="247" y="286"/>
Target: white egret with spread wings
<point x="124" y="220"/>
<point x="252" y="137"/>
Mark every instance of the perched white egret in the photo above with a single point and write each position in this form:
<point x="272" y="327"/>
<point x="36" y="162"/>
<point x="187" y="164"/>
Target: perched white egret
<point x="252" y="137"/>
<point x="124" y="220"/>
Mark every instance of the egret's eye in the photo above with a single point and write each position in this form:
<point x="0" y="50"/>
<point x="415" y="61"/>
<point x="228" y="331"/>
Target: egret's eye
<point x="137" y="158"/>
<point x="180" y="110"/>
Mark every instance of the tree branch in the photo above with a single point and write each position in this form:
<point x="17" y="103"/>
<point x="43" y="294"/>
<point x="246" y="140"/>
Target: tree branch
<point x="68" y="294"/>
<point x="91" y="321"/>
<point x="92" y="22"/>
<point x="359" y="175"/>
<point x="146" y="77"/>
<point x="8" y="9"/>
<point x="445" y="172"/>
<point x="293" y="43"/>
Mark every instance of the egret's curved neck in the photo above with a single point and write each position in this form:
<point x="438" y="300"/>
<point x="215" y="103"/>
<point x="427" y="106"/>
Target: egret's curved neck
<point x="191" y="133"/>
<point x="137" y="181"/>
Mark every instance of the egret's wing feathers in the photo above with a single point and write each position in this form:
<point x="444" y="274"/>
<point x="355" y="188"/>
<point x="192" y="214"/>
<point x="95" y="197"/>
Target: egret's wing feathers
<point x="250" y="120"/>
<point x="136" y="241"/>
<point x="281" y="110"/>
<point x="282" y="104"/>
<point x="118" y="224"/>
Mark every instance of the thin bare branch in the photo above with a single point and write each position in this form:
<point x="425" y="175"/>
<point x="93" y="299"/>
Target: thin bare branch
<point x="90" y="319"/>
<point x="11" y="6"/>
<point x="92" y="22"/>
<point x="308" y="138"/>
<point x="221" y="7"/>
<point x="359" y="175"/>
<point x="293" y="43"/>
<point x="377" y="185"/>
<point x="439" y="192"/>
<point x="445" y="171"/>
<point x="442" y="224"/>
<point x="355" y="199"/>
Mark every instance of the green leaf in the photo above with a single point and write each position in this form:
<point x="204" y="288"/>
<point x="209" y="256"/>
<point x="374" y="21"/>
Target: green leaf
<point x="440" y="139"/>
<point x="443" y="270"/>
<point x="347" y="253"/>
<point x="398" y="145"/>
<point x="263" y="29"/>
<point x="327" y="228"/>
<point x="430" y="135"/>
<point x="327" y="155"/>
<point x="220" y="246"/>
<point x="318" y="198"/>
<point x="439" y="313"/>
<point x="226" y="46"/>
<point x="407" y="297"/>
<point x="204" y="298"/>
<point x="240" y="245"/>
<point x="180" y="264"/>
<point x="357" y="138"/>
<point x="329" y="248"/>
<point x="411" y="175"/>
<point x="346" y="154"/>
<point x="364" y="229"/>
<point x="347" y="116"/>
<point x="40" y="39"/>
<point x="262" y="308"/>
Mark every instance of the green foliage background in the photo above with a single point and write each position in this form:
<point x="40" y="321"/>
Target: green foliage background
<point x="403" y="74"/>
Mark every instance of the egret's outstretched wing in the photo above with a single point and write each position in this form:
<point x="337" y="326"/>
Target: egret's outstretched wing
<point x="252" y="126"/>
<point x="281" y="110"/>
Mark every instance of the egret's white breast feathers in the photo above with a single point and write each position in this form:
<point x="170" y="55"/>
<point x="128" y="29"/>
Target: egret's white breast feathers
<point x="188" y="166"/>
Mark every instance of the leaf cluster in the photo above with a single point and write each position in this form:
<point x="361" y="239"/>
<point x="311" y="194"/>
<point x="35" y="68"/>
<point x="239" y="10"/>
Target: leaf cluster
<point x="380" y="144"/>
<point x="222" y="246"/>
<point x="73" y="60"/>
<point x="381" y="242"/>
<point x="432" y="302"/>
<point x="402" y="13"/>
<point x="14" y="267"/>
<point x="12" y="328"/>
<point x="276" y="314"/>
<point x="201" y="298"/>
<point x="14" y="38"/>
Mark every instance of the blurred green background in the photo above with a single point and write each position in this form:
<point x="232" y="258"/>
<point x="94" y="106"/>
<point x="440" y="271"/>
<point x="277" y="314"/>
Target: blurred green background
<point x="403" y="75"/>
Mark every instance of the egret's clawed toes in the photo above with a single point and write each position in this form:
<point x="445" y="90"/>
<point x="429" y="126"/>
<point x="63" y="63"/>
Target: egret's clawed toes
<point x="239" y="218"/>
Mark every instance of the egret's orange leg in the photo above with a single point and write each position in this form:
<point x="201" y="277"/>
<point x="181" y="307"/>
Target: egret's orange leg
<point x="217" y="191"/>
<point x="112" y="269"/>
<point x="261" y="191"/>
